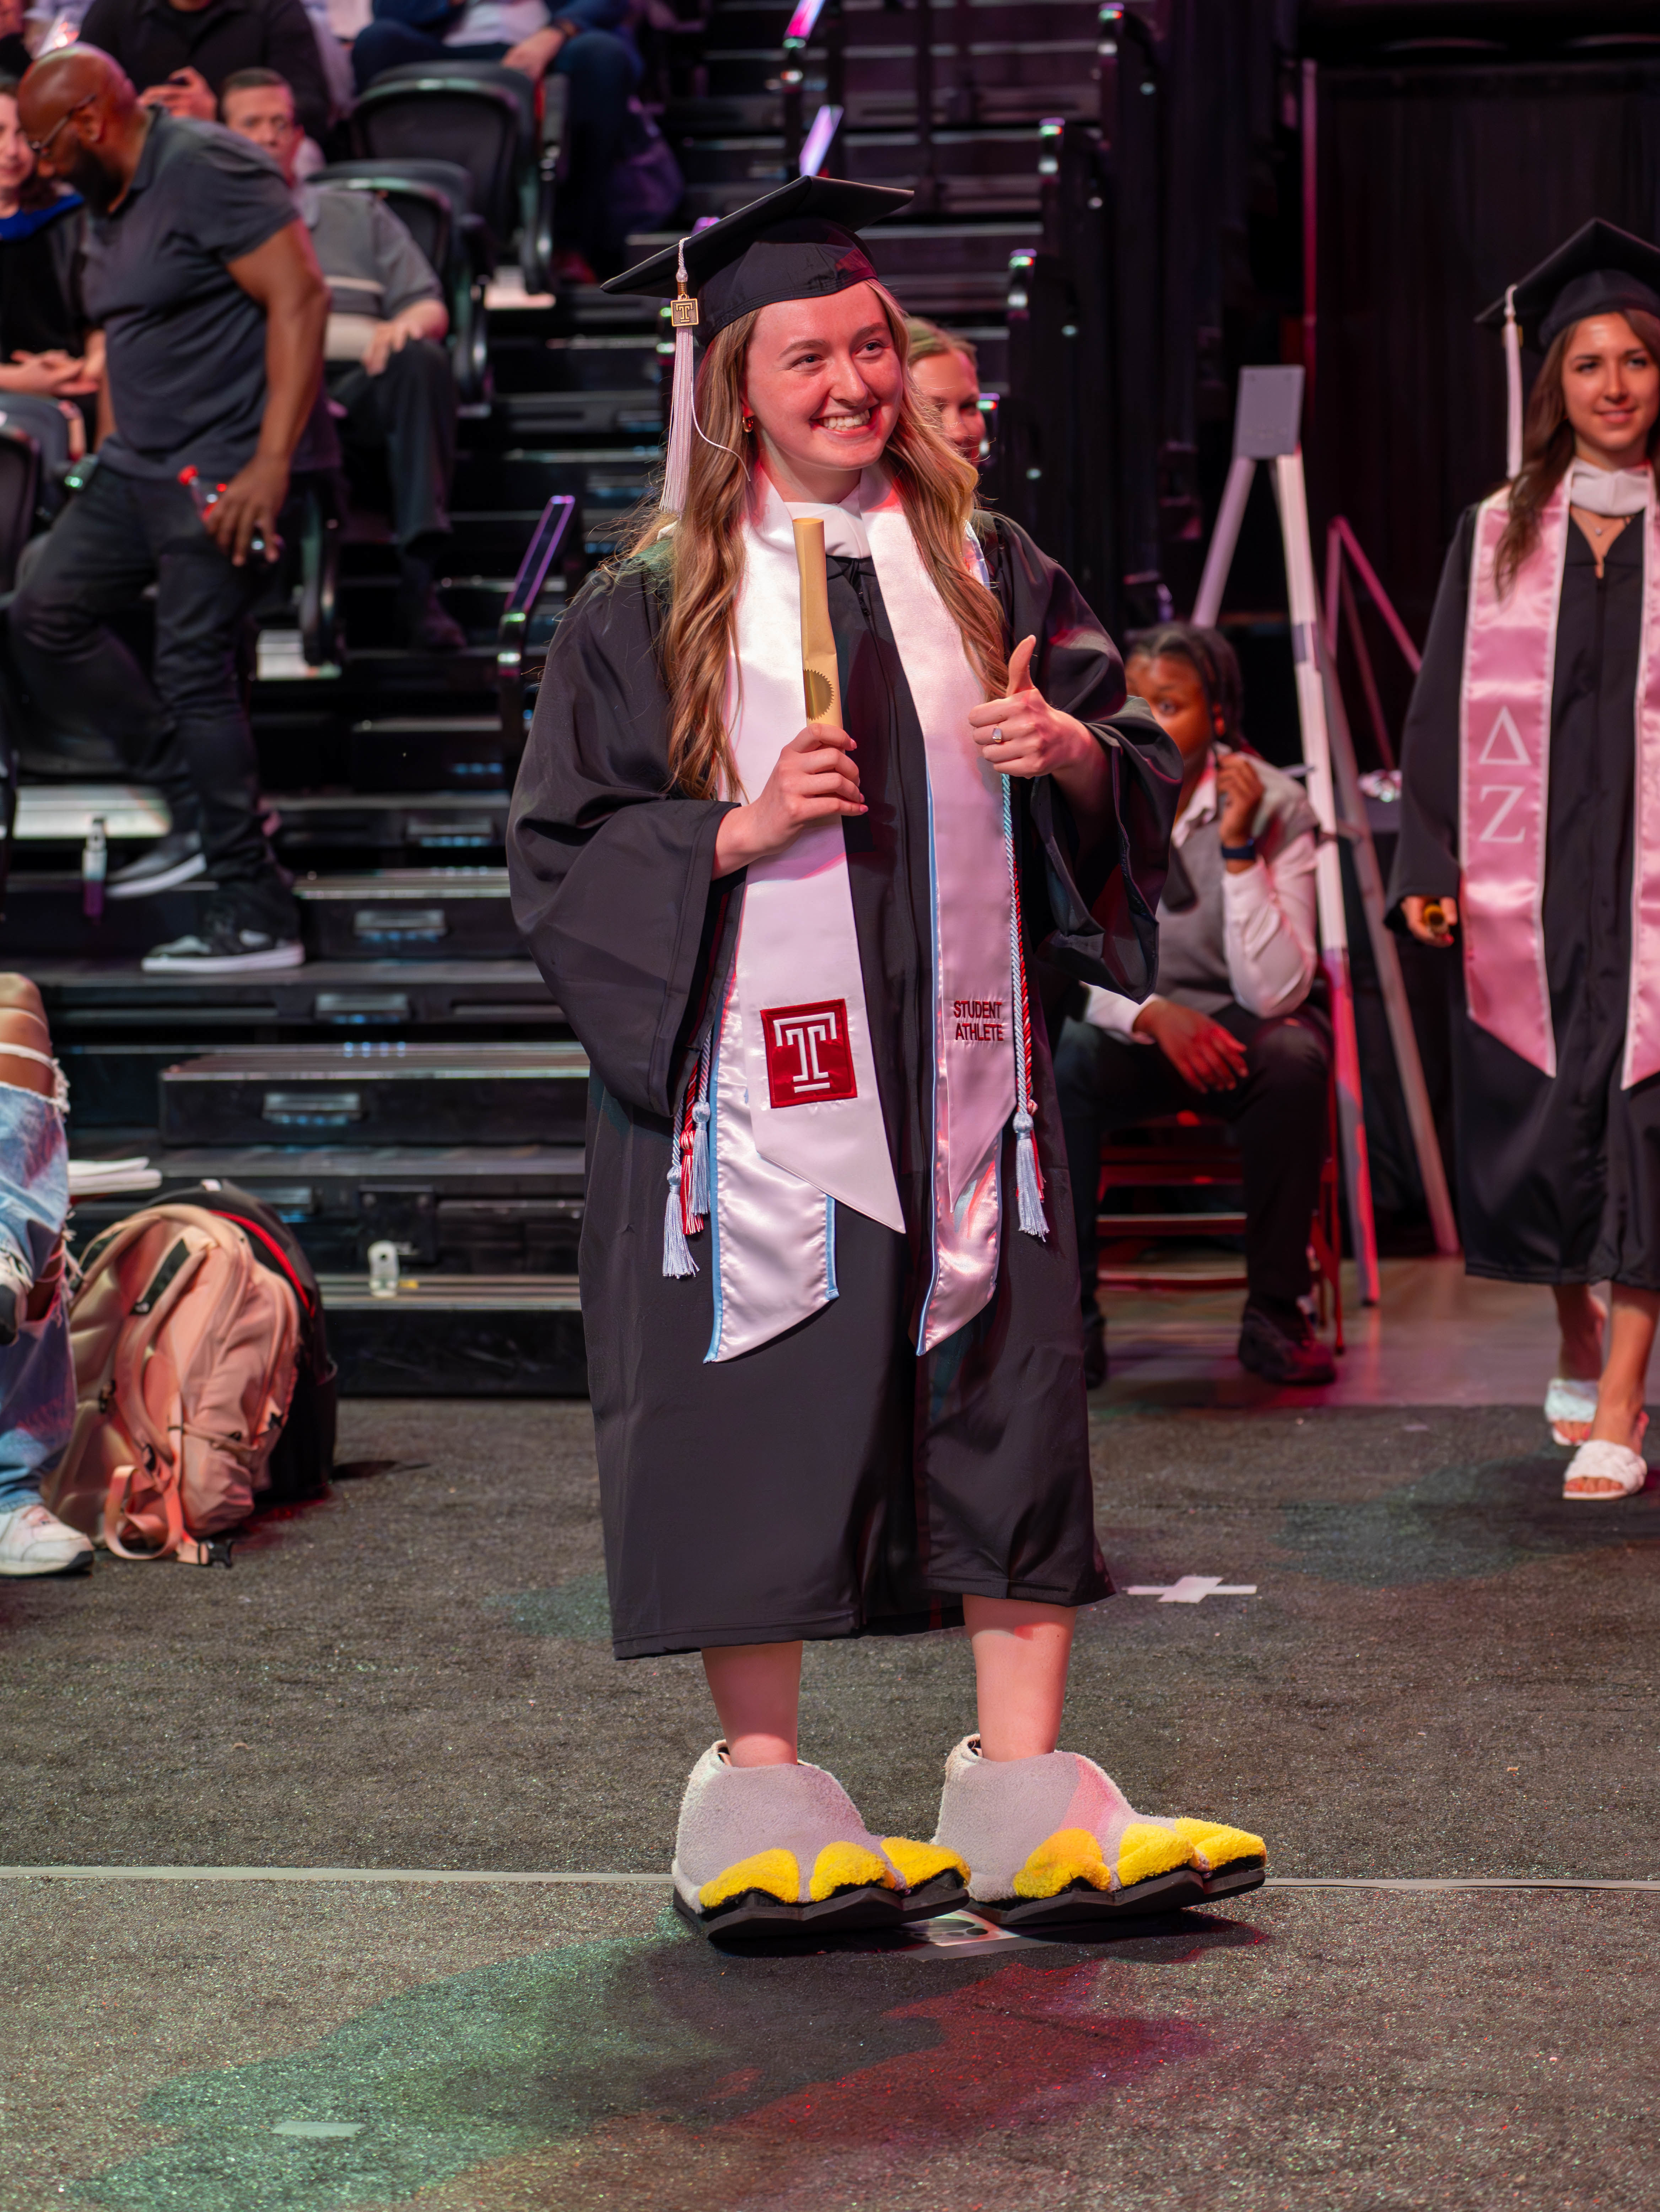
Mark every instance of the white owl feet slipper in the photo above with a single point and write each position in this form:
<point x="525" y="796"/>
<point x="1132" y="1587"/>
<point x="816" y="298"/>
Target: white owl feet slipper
<point x="764" y="1850"/>
<point x="1052" y="1841"/>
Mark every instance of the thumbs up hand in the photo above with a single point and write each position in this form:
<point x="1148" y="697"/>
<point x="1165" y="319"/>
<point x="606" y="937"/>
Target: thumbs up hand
<point x="1023" y="735"/>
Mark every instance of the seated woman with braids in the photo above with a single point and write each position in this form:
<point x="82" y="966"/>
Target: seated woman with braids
<point x="1230" y="1032"/>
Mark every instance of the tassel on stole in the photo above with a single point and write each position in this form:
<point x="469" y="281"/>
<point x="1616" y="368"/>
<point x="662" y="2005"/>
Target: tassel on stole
<point x="1028" y="1186"/>
<point x="700" y="1161"/>
<point x="676" y="1252"/>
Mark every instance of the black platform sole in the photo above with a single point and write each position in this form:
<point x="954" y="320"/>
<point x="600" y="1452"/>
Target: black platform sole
<point x="757" y="1913"/>
<point x="1078" y="1903"/>
<point x="1235" y="1878"/>
<point x="946" y="1892"/>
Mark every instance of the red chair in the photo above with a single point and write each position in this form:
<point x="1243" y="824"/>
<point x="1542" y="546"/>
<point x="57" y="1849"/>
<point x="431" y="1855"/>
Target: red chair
<point x="1183" y="1152"/>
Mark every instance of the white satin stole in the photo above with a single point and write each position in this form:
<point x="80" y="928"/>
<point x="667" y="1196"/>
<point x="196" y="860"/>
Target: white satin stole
<point x="779" y="1171"/>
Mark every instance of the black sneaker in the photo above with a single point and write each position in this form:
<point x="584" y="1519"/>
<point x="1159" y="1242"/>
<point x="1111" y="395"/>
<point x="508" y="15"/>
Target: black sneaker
<point x="431" y="627"/>
<point x="225" y="946"/>
<point x="173" y="860"/>
<point x="1279" y="1343"/>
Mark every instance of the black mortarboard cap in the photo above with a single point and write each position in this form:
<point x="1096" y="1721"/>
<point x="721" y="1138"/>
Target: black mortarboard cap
<point x="797" y="243"/>
<point x="1602" y="270"/>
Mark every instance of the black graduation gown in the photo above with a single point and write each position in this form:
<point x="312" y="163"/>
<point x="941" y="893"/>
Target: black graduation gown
<point x="1558" y="1178"/>
<point x="828" y="1483"/>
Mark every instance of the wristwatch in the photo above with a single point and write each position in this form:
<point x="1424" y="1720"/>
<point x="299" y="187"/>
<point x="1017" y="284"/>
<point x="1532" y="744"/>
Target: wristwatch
<point x="1245" y="851"/>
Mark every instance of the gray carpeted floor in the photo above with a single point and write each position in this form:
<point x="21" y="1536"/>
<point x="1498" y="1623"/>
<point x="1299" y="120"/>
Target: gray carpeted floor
<point x="1446" y="1670"/>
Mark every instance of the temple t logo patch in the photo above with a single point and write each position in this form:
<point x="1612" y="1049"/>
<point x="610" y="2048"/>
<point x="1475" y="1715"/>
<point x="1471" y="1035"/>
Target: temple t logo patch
<point x="808" y="1057"/>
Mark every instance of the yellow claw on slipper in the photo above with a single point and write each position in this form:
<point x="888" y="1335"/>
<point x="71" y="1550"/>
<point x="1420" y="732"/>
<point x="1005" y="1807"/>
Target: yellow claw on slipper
<point x="921" y="1863"/>
<point x="1070" y="1855"/>
<point x="847" y="1866"/>
<point x="1215" y="1845"/>
<point x="774" y="1871"/>
<point x="1145" y="1850"/>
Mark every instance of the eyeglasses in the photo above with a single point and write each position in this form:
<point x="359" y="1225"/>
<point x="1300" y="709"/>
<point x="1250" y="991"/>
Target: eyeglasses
<point x="40" y="147"/>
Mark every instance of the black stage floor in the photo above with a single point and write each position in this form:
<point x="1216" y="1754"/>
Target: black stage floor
<point x="1445" y="1672"/>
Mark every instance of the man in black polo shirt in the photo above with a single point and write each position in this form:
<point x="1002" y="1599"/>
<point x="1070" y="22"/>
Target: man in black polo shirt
<point x="204" y="283"/>
<point x="179" y="53"/>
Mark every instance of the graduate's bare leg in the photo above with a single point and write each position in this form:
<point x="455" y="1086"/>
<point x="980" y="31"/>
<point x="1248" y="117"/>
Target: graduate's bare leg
<point x="1619" y="1416"/>
<point x="1020" y="1655"/>
<point x="1047" y="1839"/>
<point x="1581" y="1317"/>
<point x="766" y="1841"/>
<point x="756" y="1688"/>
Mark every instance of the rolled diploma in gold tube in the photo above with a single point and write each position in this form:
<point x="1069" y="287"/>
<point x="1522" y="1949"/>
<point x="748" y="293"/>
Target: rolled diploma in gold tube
<point x="821" y="685"/>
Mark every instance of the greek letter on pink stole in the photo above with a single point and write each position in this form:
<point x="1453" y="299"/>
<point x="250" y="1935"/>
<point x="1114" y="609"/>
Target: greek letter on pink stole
<point x="1642" y="1006"/>
<point x="1504" y="771"/>
<point x="1510" y="652"/>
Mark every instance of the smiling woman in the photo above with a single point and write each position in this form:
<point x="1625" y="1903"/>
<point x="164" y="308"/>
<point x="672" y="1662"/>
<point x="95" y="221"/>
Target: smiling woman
<point x="43" y="336"/>
<point x="838" y="1391"/>
<point x="1529" y="826"/>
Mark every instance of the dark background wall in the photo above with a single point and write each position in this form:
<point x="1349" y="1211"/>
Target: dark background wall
<point x="1439" y="184"/>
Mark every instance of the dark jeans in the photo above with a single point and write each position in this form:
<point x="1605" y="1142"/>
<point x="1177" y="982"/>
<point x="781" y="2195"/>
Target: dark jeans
<point x="1107" y="1083"/>
<point x="183" y="726"/>
<point x="604" y="71"/>
<point x="408" y="413"/>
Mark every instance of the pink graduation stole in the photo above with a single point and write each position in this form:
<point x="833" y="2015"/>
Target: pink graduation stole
<point x="1504" y="782"/>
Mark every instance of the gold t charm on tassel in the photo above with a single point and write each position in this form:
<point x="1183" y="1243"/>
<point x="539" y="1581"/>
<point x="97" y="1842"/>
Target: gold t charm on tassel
<point x="821" y="684"/>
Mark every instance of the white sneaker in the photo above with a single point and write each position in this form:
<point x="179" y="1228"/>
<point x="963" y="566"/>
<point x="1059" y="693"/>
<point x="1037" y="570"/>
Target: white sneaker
<point x="34" y="1542"/>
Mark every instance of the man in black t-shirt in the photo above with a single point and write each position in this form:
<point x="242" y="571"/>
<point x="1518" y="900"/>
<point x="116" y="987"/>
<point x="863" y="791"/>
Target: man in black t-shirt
<point x="179" y="53"/>
<point x="204" y="283"/>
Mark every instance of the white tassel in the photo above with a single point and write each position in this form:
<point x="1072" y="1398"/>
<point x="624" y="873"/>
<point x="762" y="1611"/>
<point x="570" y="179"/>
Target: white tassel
<point x="700" y="1160"/>
<point x="1028" y="1184"/>
<point x="1512" y="389"/>
<point x="676" y="1253"/>
<point x="677" y="467"/>
<point x="1034" y="1222"/>
<point x="682" y="406"/>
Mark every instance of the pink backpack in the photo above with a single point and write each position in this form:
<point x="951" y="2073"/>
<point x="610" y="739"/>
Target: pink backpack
<point x="185" y="1355"/>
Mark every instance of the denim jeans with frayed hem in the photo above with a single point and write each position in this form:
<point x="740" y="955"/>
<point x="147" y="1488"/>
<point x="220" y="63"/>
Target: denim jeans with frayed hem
<point x="37" y="1373"/>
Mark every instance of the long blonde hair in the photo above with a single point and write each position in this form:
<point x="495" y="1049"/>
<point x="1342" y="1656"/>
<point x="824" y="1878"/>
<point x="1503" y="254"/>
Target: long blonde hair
<point x="936" y="485"/>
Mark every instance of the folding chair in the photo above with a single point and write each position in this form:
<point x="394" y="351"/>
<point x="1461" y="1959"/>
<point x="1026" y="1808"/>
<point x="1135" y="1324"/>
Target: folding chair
<point x="505" y="131"/>
<point x="433" y="201"/>
<point x="1186" y="1151"/>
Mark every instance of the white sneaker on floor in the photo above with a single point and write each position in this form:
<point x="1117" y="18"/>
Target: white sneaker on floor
<point x="34" y="1542"/>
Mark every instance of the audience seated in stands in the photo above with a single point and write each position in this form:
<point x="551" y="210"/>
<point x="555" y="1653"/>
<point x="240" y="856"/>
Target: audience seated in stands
<point x="1231" y="1032"/>
<point x="179" y="53"/>
<point x="44" y="348"/>
<point x="385" y="362"/>
<point x="37" y="1373"/>
<point x="947" y="373"/>
<point x="15" y="55"/>
<point x="586" y="40"/>
<point x="204" y="281"/>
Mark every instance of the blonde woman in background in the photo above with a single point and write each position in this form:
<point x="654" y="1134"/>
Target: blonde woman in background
<point x="947" y="372"/>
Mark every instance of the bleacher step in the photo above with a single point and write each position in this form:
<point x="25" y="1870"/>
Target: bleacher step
<point x="461" y="1211"/>
<point x="96" y="995"/>
<point x="473" y="1336"/>
<point x="375" y="1093"/>
<point x="410" y="913"/>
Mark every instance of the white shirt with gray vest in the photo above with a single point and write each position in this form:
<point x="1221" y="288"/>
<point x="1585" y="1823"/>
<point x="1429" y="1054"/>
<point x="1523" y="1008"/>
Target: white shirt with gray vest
<point x="1248" y="937"/>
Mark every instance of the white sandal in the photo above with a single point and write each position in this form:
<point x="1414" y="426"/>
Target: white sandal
<point x="1568" y="1399"/>
<point x="1609" y="1463"/>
